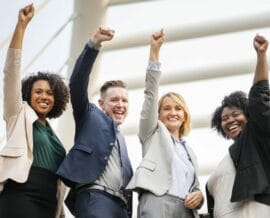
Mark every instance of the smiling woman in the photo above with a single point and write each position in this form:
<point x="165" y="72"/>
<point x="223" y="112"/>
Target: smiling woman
<point x="33" y="152"/>
<point x="42" y="98"/>
<point x="233" y="119"/>
<point x="167" y="177"/>
<point x="239" y="187"/>
<point x="46" y="93"/>
<point x="174" y="113"/>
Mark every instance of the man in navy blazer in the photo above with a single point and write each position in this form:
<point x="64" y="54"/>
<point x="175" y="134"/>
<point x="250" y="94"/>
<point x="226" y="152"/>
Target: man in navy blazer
<point x="97" y="168"/>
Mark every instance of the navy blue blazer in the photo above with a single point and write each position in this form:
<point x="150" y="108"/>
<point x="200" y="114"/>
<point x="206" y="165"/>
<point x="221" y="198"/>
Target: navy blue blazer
<point x="95" y="132"/>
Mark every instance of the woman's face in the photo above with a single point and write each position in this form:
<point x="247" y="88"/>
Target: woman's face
<point x="42" y="98"/>
<point x="172" y="115"/>
<point x="233" y="120"/>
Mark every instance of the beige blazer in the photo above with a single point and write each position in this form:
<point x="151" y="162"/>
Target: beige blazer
<point x="16" y="157"/>
<point x="154" y="171"/>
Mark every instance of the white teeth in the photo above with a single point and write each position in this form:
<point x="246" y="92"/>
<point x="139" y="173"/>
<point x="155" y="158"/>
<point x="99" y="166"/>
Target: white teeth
<point x="117" y="112"/>
<point x="172" y="118"/>
<point x="233" y="127"/>
<point x="43" y="104"/>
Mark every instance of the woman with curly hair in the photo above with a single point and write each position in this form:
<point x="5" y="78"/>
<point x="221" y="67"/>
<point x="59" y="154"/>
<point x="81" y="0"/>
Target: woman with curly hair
<point x="32" y="154"/>
<point x="240" y="185"/>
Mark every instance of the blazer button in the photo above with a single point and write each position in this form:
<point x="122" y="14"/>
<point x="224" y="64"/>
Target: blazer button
<point x="111" y="144"/>
<point x="106" y="158"/>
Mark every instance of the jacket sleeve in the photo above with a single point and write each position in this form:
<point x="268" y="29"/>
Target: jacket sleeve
<point x="259" y="106"/>
<point x="12" y="83"/>
<point x="79" y="80"/>
<point x="149" y="113"/>
<point x="196" y="186"/>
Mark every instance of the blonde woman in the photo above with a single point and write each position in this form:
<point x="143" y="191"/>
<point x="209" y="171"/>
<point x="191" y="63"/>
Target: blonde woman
<point x="166" y="178"/>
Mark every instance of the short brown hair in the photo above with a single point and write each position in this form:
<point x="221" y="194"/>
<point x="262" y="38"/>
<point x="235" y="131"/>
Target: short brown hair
<point x="110" y="84"/>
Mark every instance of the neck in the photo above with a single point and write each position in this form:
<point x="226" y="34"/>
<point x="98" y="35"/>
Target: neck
<point x="42" y="121"/>
<point x="175" y="134"/>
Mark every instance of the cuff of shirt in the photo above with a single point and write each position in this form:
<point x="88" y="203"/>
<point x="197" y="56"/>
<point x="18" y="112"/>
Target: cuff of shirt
<point x="91" y="44"/>
<point x="153" y="66"/>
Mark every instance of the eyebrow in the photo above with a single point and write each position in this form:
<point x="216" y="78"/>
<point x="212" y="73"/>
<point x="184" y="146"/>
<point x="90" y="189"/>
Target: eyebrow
<point x="45" y="90"/>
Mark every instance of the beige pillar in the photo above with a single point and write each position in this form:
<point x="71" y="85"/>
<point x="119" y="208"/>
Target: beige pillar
<point x="90" y="15"/>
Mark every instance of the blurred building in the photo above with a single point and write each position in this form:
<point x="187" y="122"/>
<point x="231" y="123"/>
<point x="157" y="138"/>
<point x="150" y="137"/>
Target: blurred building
<point x="207" y="54"/>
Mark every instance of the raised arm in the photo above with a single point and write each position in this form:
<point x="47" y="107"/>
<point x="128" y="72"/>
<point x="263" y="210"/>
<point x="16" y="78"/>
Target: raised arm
<point x="261" y="73"/>
<point x="157" y="40"/>
<point x="24" y="17"/>
<point x="149" y="113"/>
<point x="259" y="97"/>
<point x="80" y="76"/>
<point x="12" y="77"/>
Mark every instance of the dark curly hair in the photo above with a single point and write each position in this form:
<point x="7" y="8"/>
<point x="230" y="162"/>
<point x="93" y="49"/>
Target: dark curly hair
<point x="235" y="99"/>
<point x="59" y="88"/>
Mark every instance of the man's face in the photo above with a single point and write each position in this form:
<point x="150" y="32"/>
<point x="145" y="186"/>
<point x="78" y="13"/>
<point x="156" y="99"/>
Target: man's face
<point x="114" y="103"/>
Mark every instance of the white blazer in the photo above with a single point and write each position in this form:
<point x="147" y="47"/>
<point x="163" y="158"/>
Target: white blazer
<point x="154" y="172"/>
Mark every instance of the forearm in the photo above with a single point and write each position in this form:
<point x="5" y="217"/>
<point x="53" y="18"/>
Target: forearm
<point x="18" y="35"/>
<point x="154" y="54"/>
<point x="261" y="71"/>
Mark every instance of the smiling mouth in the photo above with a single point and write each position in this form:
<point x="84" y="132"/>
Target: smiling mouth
<point x="43" y="105"/>
<point x="118" y="113"/>
<point x="172" y="119"/>
<point x="234" y="129"/>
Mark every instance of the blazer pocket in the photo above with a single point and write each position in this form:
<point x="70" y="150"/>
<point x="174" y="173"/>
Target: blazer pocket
<point x="148" y="164"/>
<point x="83" y="148"/>
<point x="12" y="152"/>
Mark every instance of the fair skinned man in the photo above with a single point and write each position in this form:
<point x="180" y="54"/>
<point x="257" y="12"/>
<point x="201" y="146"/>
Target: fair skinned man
<point x="97" y="168"/>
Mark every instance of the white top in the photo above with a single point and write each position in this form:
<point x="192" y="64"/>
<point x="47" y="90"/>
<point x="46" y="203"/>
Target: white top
<point x="220" y="185"/>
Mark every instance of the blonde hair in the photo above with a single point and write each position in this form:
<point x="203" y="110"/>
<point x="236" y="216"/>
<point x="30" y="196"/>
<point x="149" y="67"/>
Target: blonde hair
<point x="178" y="99"/>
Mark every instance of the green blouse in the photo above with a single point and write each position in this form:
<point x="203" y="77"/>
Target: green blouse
<point x="48" y="151"/>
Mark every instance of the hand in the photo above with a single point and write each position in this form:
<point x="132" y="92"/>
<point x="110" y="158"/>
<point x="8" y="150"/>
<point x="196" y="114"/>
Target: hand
<point x="193" y="200"/>
<point x="26" y="14"/>
<point x="157" y="40"/>
<point x="102" y="34"/>
<point x="260" y="44"/>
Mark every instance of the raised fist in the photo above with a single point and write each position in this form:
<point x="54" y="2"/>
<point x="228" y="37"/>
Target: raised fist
<point x="103" y="34"/>
<point x="157" y="39"/>
<point x="26" y="14"/>
<point x="260" y="43"/>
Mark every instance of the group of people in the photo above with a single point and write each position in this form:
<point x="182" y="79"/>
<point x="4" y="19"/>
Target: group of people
<point x="35" y="170"/>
